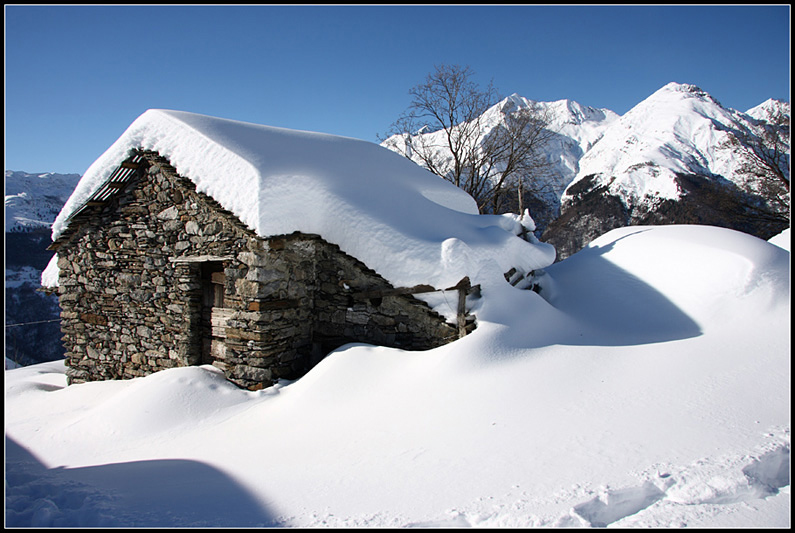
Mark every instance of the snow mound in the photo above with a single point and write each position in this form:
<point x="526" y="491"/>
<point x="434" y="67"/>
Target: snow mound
<point x="400" y="220"/>
<point x="782" y="239"/>
<point x="647" y="385"/>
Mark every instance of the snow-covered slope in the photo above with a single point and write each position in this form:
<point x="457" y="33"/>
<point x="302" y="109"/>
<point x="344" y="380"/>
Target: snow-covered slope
<point x="769" y="109"/>
<point x="666" y="161"/>
<point x="680" y="129"/>
<point x="611" y="171"/>
<point x="368" y="200"/>
<point x="650" y="389"/>
<point x="576" y="128"/>
<point x="34" y="200"/>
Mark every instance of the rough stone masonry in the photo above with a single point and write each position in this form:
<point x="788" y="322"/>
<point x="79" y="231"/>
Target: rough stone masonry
<point x="159" y="275"/>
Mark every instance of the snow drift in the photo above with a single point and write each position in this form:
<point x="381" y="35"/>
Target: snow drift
<point x="647" y="385"/>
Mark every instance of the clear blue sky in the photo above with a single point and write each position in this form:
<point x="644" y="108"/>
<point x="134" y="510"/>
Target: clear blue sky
<point x="76" y="77"/>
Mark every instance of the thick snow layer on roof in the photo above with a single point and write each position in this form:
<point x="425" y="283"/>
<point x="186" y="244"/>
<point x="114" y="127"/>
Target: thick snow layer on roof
<point x="400" y="220"/>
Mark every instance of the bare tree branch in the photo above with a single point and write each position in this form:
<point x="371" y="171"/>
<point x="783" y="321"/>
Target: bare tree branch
<point x="444" y="130"/>
<point x="764" y="152"/>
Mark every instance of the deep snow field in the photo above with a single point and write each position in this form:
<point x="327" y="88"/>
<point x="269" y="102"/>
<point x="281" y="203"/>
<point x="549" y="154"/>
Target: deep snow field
<point x="647" y="385"/>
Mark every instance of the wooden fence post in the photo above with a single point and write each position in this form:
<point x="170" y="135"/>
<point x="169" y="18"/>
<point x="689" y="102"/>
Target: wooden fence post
<point x="463" y="289"/>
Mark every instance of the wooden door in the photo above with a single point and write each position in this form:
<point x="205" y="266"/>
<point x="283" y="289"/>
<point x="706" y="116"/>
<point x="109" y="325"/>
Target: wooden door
<point x="214" y="314"/>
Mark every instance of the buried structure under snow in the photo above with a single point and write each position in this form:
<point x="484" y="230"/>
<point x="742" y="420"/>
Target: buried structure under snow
<point x="158" y="269"/>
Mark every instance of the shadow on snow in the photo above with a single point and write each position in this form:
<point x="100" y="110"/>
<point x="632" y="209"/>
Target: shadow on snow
<point x="157" y="493"/>
<point x="612" y="306"/>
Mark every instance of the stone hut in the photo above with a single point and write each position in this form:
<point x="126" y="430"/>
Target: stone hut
<point x="153" y="273"/>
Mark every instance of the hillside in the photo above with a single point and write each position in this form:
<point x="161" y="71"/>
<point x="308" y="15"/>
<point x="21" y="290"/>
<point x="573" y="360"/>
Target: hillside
<point x="575" y="129"/>
<point x="666" y="161"/>
<point x="32" y="201"/>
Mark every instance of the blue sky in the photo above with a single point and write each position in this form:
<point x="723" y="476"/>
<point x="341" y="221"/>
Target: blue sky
<point x="77" y="76"/>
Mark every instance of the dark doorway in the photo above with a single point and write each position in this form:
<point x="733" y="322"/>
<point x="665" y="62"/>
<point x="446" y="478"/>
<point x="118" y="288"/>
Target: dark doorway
<point x="213" y="313"/>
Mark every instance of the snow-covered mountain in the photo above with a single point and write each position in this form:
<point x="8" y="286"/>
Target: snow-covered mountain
<point x="613" y="171"/>
<point x="679" y="129"/>
<point x="32" y="201"/>
<point x="667" y="160"/>
<point x="575" y="129"/>
<point x="768" y="109"/>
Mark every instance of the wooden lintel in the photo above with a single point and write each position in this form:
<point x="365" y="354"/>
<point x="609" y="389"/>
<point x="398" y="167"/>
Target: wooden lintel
<point x="201" y="258"/>
<point x="417" y="289"/>
<point x="464" y="284"/>
<point x="129" y="164"/>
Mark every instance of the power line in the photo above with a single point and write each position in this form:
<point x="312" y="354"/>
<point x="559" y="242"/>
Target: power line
<point x="30" y="323"/>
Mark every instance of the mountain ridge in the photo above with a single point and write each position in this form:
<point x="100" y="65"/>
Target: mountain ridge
<point x="617" y="170"/>
<point x="33" y="200"/>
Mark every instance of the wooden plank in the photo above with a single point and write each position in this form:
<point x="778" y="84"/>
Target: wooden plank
<point x="463" y="289"/>
<point x="416" y="289"/>
<point x="220" y="316"/>
<point x="200" y="258"/>
<point x="217" y="350"/>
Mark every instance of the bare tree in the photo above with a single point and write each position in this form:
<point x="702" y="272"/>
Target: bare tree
<point x="764" y="152"/>
<point x="516" y="162"/>
<point x="445" y="130"/>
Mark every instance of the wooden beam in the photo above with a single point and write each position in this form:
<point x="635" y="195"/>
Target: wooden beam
<point x="417" y="289"/>
<point x="200" y="258"/>
<point x="463" y="288"/>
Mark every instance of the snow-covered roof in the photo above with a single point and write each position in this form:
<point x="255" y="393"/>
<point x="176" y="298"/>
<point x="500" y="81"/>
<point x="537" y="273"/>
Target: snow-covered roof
<point x="402" y="221"/>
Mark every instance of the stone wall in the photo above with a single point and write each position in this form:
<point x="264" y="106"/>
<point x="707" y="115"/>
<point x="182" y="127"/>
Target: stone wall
<point x="343" y="312"/>
<point x="131" y="290"/>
